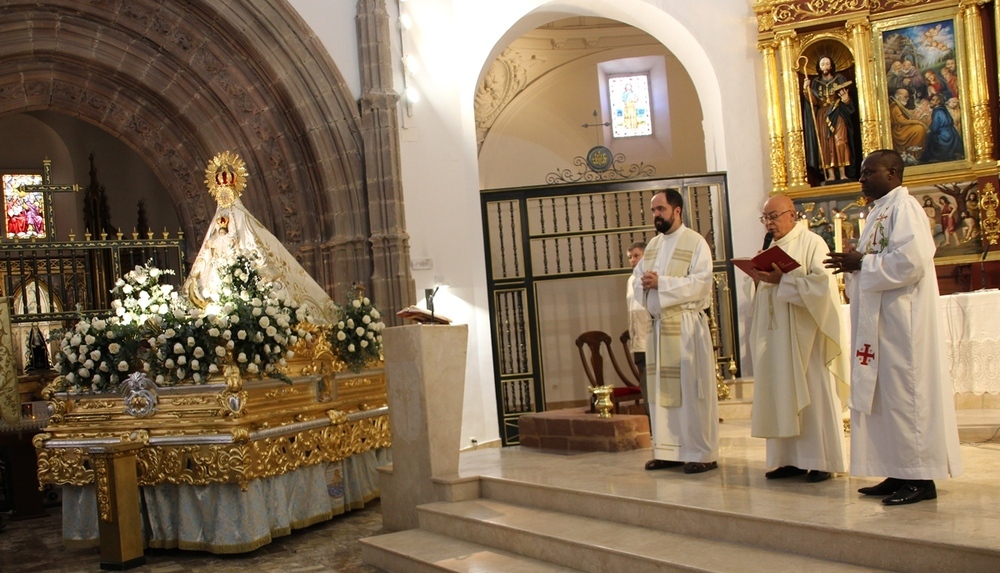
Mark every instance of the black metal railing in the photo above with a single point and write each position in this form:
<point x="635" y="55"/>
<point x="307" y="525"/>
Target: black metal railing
<point x="50" y="281"/>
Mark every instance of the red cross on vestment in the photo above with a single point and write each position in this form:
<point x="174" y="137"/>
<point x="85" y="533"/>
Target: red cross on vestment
<point x="865" y="354"/>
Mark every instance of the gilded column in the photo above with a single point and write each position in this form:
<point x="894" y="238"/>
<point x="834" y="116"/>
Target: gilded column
<point x="860" y="33"/>
<point x="778" y="173"/>
<point x="982" y="131"/>
<point x="794" y="146"/>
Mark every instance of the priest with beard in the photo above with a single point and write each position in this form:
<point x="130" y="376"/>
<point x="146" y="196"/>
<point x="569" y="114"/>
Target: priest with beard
<point x="674" y="282"/>
<point x="795" y="345"/>
<point x="902" y="401"/>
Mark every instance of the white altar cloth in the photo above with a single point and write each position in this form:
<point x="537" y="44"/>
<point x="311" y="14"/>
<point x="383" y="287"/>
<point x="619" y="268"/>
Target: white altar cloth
<point x="969" y="331"/>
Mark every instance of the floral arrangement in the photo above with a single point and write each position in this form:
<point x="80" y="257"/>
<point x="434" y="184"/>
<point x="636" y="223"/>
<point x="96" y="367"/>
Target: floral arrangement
<point x="251" y="325"/>
<point x="357" y="336"/>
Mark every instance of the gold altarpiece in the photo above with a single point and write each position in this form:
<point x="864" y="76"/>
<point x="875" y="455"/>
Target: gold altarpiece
<point x="916" y="76"/>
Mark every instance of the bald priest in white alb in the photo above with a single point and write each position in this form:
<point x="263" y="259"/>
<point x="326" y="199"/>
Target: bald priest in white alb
<point x="674" y="281"/>
<point x="795" y="344"/>
<point x="902" y="400"/>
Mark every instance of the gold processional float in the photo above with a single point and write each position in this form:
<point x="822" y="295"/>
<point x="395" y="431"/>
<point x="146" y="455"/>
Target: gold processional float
<point x="252" y="403"/>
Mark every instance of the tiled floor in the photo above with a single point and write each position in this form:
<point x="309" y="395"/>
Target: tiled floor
<point x="35" y="546"/>
<point x="967" y="511"/>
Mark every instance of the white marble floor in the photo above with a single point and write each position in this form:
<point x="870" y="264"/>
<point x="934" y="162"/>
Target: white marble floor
<point x="966" y="513"/>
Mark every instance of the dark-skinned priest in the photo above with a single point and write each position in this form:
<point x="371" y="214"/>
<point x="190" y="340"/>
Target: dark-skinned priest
<point x="674" y="282"/>
<point x="902" y="401"/>
<point x="795" y="344"/>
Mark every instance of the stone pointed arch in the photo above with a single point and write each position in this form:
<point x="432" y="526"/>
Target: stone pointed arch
<point x="181" y="81"/>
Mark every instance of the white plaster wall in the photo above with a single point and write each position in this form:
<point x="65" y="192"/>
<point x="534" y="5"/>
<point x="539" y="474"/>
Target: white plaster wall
<point x="454" y="40"/>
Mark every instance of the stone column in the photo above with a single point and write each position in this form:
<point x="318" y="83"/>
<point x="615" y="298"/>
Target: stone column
<point x="119" y="518"/>
<point x="392" y="285"/>
<point x="425" y="381"/>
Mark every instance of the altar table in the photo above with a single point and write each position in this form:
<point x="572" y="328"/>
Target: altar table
<point x="969" y="333"/>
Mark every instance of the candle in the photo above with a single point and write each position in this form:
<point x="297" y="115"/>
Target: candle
<point x="861" y="224"/>
<point x="838" y="233"/>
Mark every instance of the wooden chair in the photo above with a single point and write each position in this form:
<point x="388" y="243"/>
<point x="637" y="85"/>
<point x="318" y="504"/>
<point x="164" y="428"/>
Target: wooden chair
<point x="594" y="368"/>
<point x="624" y="338"/>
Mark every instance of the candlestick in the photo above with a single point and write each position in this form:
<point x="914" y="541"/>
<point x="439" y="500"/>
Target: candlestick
<point x="838" y="233"/>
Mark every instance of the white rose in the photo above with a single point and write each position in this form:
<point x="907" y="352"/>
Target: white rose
<point x="213" y="332"/>
<point x="97" y="378"/>
<point x="127" y="289"/>
<point x="234" y="319"/>
<point x="366" y="319"/>
<point x="84" y="373"/>
<point x="259" y="337"/>
<point x="89" y="339"/>
<point x="95" y="354"/>
<point x="159" y="379"/>
<point x="114" y="347"/>
<point x="71" y="377"/>
<point x="375" y="314"/>
<point x="169" y="363"/>
<point x="190" y="341"/>
<point x="341" y="335"/>
<point x="356" y="303"/>
<point x="350" y="348"/>
<point x="264" y="322"/>
<point x="99" y="324"/>
<point x="104" y="367"/>
<point x="350" y="323"/>
<point x="196" y="377"/>
<point x="163" y="309"/>
<point x="340" y="324"/>
<point x="256" y="311"/>
<point x="242" y="335"/>
<point x="242" y="357"/>
<point x="181" y="360"/>
<point x="360" y="331"/>
<point x="290" y="354"/>
<point x="212" y="368"/>
<point x="227" y="334"/>
<point x="178" y="348"/>
<point x="364" y="344"/>
<point x="198" y="352"/>
<point x="88" y="364"/>
<point x="252" y="368"/>
<point x="195" y="365"/>
<point x="181" y="373"/>
<point x="271" y="331"/>
<point x="76" y="340"/>
<point x="169" y="333"/>
<point x="123" y="366"/>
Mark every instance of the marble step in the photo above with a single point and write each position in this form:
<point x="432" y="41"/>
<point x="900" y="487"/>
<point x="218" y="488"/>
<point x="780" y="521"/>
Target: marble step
<point x="422" y="551"/>
<point x="893" y="550"/>
<point x="596" y="545"/>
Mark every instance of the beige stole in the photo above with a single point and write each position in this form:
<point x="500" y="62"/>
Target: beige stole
<point x="670" y="318"/>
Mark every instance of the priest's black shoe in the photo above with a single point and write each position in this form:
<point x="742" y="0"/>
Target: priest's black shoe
<point x="912" y="492"/>
<point x="784" y="472"/>
<point x="887" y="487"/>
<point x="815" y="476"/>
<point x="662" y="464"/>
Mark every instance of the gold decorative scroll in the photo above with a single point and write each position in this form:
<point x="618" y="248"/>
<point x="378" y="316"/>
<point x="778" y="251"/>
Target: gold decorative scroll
<point x="103" y="486"/>
<point x="10" y="398"/>
<point x="989" y="222"/>
<point x="773" y="13"/>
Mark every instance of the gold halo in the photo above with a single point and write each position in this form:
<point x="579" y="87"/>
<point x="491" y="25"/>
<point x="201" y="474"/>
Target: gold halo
<point x="226" y="177"/>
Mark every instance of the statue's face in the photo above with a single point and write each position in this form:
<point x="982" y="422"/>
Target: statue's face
<point x="825" y="65"/>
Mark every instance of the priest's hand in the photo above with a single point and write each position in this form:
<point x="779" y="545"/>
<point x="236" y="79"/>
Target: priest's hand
<point x="650" y="280"/>
<point x="846" y="262"/>
<point x="772" y="276"/>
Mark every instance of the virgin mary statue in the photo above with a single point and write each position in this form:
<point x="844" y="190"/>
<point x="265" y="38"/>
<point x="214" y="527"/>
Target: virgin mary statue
<point x="233" y="232"/>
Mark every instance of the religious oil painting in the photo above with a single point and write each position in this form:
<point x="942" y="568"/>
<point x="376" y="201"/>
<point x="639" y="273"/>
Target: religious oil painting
<point x="24" y="212"/>
<point x="952" y="211"/>
<point x="924" y="89"/>
<point x="631" y="115"/>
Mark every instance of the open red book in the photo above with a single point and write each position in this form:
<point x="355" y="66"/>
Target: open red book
<point x="762" y="261"/>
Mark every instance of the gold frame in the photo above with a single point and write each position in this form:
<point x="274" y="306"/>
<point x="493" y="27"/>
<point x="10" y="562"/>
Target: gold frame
<point x="881" y="27"/>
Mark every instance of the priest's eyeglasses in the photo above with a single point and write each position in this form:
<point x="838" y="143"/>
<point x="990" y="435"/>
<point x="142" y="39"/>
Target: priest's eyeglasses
<point x="772" y="217"/>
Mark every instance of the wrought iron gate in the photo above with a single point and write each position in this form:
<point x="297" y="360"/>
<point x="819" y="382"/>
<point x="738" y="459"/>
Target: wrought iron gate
<point x="535" y="234"/>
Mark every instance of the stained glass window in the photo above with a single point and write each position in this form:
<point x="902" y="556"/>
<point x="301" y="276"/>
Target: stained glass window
<point x="24" y="213"/>
<point x="631" y="115"/>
